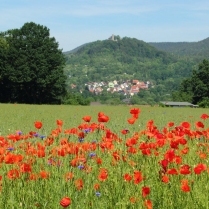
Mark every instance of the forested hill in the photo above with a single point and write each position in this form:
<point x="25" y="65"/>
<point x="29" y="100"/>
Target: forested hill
<point x="128" y="46"/>
<point x="196" y="50"/>
<point x="126" y="58"/>
<point x="74" y="50"/>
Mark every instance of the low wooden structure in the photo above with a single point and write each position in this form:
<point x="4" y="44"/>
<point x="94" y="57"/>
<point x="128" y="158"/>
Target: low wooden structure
<point x="177" y="104"/>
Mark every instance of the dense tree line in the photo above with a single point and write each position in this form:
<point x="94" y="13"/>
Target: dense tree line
<point x="195" y="89"/>
<point x="32" y="68"/>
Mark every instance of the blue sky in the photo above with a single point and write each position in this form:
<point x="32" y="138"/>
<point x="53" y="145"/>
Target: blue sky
<point x="75" y="22"/>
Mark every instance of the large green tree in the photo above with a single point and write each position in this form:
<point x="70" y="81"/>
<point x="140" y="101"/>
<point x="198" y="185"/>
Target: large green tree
<point x="32" y="69"/>
<point x="196" y="88"/>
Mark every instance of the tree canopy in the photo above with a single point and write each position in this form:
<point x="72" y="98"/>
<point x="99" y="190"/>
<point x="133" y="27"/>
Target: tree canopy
<point x="195" y="88"/>
<point x="31" y="66"/>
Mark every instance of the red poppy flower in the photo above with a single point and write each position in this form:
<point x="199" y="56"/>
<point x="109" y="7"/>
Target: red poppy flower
<point x="59" y="122"/>
<point x="96" y="186"/>
<point x="41" y="153"/>
<point x="148" y="204"/>
<point x="25" y="168"/>
<point x="33" y="176"/>
<point x="116" y="155"/>
<point x="146" y="151"/>
<point x="135" y="116"/>
<point x="49" y="141"/>
<point x="44" y="175"/>
<point x="100" y="114"/>
<point x="200" y="168"/>
<point x="81" y="135"/>
<point x="65" y="202"/>
<point x="174" y="144"/>
<point x="131" y="141"/>
<point x="87" y="118"/>
<point x="172" y="171"/>
<point x="199" y="124"/>
<point x="69" y="176"/>
<point x="185" y="150"/>
<point x="132" y="150"/>
<point x="170" y="124"/>
<point x="185" y="170"/>
<point x="184" y="186"/>
<point x="185" y="125"/>
<point x="99" y="161"/>
<point x="145" y="191"/>
<point x="164" y="163"/>
<point x="150" y="123"/>
<point x="103" y="118"/>
<point x="38" y="124"/>
<point x="178" y="160"/>
<point x="204" y="116"/>
<point x="137" y="177"/>
<point x="133" y="199"/>
<point x="202" y="155"/>
<point x="79" y="184"/>
<point x="182" y="141"/>
<point x="135" y="111"/>
<point x="13" y="174"/>
<point x="165" y="179"/>
<point x="131" y="120"/>
<point x="12" y="158"/>
<point x="170" y="155"/>
<point x="125" y="131"/>
<point x="127" y="177"/>
<point x="103" y="174"/>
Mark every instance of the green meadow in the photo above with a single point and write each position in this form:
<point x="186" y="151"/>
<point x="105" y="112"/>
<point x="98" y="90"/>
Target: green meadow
<point x="22" y="117"/>
<point x="149" y="165"/>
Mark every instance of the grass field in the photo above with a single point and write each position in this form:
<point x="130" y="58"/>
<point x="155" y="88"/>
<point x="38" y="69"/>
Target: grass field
<point x="51" y="153"/>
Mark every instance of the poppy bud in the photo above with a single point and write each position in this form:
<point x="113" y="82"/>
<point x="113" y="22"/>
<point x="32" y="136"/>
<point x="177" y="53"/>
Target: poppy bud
<point x="65" y="202"/>
<point x="38" y="124"/>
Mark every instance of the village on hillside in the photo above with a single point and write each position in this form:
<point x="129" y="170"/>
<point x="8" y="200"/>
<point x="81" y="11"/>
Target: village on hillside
<point x="126" y="87"/>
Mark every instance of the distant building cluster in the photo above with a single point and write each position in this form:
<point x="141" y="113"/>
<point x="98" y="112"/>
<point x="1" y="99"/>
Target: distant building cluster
<point x="126" y="88"/>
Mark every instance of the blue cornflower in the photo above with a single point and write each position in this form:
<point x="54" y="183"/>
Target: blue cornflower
<point x="36" y="134"/>
<point x="80" y="167"/>
<point x="92" y="154"/>
<point x="19" y="133"/>
<point x="98" y="194"/>
<point x="86" y="130"/>
<point x="42" y="137"/>
<point x="10" y="148"/>
<point x="80" y="139"/>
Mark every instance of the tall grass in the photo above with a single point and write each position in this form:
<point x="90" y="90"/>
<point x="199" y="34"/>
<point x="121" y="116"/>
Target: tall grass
<point x="109" y="169"/>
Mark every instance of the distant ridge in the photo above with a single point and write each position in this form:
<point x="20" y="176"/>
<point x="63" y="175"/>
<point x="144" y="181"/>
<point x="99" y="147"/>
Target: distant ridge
<point x="75" y="50"/>
<point x="198" y="49"/>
